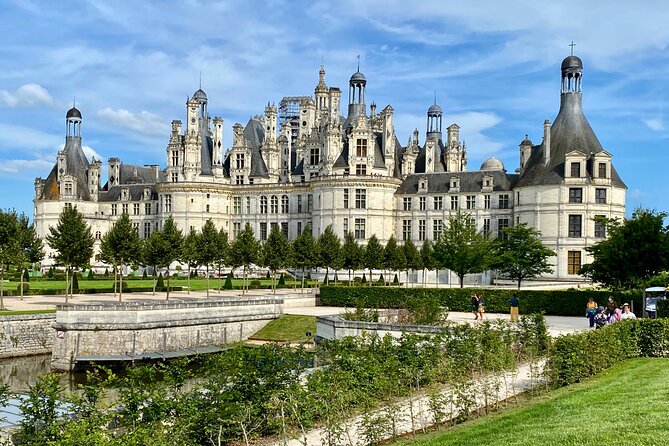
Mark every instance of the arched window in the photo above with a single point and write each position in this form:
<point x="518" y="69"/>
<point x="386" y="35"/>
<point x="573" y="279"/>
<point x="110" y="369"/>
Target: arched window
<point x="98" y="235"/>
<point x="263" y="204"/>
<point x="284" y="204"/>
<point x="274" y="204"/>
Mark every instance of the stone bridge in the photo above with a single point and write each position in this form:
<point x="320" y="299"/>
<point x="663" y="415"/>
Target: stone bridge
<point x="137" y="331"/>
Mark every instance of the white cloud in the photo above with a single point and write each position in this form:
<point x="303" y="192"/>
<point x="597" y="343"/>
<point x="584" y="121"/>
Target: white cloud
<point x="26" y="95"/>
<point x="37" y="166"/>
<point x="19" y="137"/>
<point x="654" y="124"/>
<point x="91" y="153"/>
<point x="143" y="122"/>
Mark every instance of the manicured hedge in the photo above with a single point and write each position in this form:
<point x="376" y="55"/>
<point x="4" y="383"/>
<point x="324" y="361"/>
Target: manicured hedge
<point x="52" y="292"/>
<point x="555" y="303"/>
<point x="575" y="357"/>
<point x="662" y="308"/>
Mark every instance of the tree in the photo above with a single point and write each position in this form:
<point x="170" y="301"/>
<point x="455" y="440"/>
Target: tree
<point x="8" y="234"/>
<point x="151" y="252"/>
<point x="72" y="241"/>
<point x="461" y="248"/>
<point x="520" y="254"/>
<point x="413" y="258"/>
<point x="305" y="254"/>
<point x="164" y="247"/>
<point x="120" y="246"/>
<point x="245" y="251"/>
<point x="329" y="250"/>
<point x="276" y="253"/>
<point x="427" y="257"/>
<point x="222" y="254"/>
<point x="352" y="254"/>
<point x="189" y="252"/>
<point x="393" y="256"/>
<point x="19" y="244"/>
<point x="373" y="255"/>
<point x="209" y="247"/>
<point x="634" y="251"/>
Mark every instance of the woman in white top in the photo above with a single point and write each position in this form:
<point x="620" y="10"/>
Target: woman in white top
<point x="627" y="314"/>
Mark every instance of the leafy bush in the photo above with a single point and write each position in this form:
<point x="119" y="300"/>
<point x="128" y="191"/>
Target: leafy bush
<point x="26" y="287"/>
<point x="255" y="284"/>
<point x="145" y="275"/>
<point x="557" y="303"/>
<point x="160" y="283"/>
<point x="396" y="280"/>
<point x="228" y="282"/>
<point x="91" y="275"/>
<point x="361" y="314"/>
<point x="75" y="281"/>
<point x="662" y="308"/>
<point x="364" y="279"/>
<point x="282" y="281"/>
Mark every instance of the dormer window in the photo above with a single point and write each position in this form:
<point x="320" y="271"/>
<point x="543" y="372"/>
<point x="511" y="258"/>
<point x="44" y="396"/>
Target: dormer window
<point x="125" y="194"/>
<point x="422" y="185"/>
<point x="575" y="169"/>
<point x="69" y="191"/>
<point x="601" y="170"/>
<point x="455" y="183"/>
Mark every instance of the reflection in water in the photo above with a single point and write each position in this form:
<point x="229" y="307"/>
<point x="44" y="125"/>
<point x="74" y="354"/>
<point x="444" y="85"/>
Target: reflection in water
<point x="19" y="373"/>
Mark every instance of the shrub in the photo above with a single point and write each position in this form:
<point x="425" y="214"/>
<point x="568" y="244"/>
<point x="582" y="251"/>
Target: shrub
<point x="282" y="281"/>
<point x="51" y="273"/>
<point x="396" y="280"/>
<point x="255" y="284"/>
<point x="379" y="282"/>
<point x="268" y="276"/>
<point x="228" y="282"/>
<point x="662" y="307"/>
<point x="557" y="303"/>
<point x="106" y="272"/>
<point x="26" y="288"/>
<point x="364" y="279"/>
<point x="26" y="276"/>
<point x="160" y="283"/>
<point x="91" y="275"/>
<point x="309" y="275"/>
<point x="75" y="281"/>
<point x="145" y="275"/>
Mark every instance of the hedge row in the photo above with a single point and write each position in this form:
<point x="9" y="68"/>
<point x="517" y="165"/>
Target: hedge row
<point x="662" y="308"/>
<point x="555" y="303"/>
<point x="52" y="292"/>
<point x="575" y="357"/>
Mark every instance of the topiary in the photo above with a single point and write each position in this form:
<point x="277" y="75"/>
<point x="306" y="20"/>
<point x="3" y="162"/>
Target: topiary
<point x="26" y="287"/>
<point x="228" y="282"/>
<point x="160" y="284"/>
<point x="396" y="280"/>
<point x="381" y="281"/>
<point x="75" y="281"/>
<point x="282" y="280"/>
<point x="106" y="272"/>
<point x="255" y="284"/>
<point x="325" y="281"/>
<point x="364" y="279"/>
<point x="91" y="275"/>
<point x="26" y="276"/>
<point x="268" y="276"/>
<point x="309" y="275"/>
<point x="51" y="273"/>
<point x="145" y="275"/>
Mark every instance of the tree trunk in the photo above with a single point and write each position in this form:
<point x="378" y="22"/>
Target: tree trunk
<point x="244" y="281"/>
<point x="462" y="280"/>
<point x="436" y="278"/>
<point x="154" y="281"/>
<point x="114" y="282"/>
<point x="120" y="283"/>
<point x="302" y="291"/>
<point x="189" y="279"/>
<point x="207" y="270"/>
<point x="67" y="281"/>
<point x="274" y="282"/>
<point x="219" y="277"/>
<point x="2" y="286"/>
<point x="21" y="283"/>
<point x="519" y="279"/>
<point x="167" y="296"/>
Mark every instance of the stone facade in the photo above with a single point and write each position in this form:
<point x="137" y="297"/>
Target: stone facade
<point x="305" y="164"/>
<point x="25" y="335"/>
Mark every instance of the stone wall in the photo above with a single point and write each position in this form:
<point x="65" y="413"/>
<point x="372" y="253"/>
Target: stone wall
<point x="131" y="331"/>
<point x="25" y="335"/>
<point x="333" y="327"/>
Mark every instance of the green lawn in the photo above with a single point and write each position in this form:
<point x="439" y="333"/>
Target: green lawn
<point x="288" y="328"/>
<point x="626" y="405"/>
<point x="21" y="312"/>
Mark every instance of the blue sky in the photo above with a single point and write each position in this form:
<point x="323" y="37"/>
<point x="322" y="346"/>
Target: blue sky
<point x="494" y="65"/>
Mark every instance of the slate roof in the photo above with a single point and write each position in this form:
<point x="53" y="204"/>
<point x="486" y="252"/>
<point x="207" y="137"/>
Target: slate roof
<point x="76" y="166"/>
<point x="470" y="181"/>
<point x="135" y="191"/>
<point x="439" y="166"/>
<point x="254" y="134"/>
<point x="570" y="131"/>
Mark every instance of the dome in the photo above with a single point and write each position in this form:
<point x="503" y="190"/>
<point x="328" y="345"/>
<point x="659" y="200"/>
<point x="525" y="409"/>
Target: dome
<point x="73" y="113"/>
<point x="358" y="77"/>
<point x="572" y="62"/>
<point x="434" y="108"/>
<point x="200" y="95"/>
<point x="526" y="142"/>
<point x="492" y="163"/>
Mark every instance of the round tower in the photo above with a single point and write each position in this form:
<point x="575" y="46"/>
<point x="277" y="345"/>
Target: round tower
<point x="434" y="116"/>
<point x="572" y="73"/>
<point x="73" y="122"/>
<point x="356" y="93"/>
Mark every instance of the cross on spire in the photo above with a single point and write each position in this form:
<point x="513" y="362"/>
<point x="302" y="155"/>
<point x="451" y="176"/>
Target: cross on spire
<point x="200" y="79"/>
<point x="572" y="45"/>
<point x="358" y="56"/>
<point x="435" y="97"/>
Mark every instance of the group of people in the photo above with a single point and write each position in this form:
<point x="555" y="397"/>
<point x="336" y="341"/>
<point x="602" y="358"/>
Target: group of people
<point x="478" y="307"/>
<point x="599" y="316"/>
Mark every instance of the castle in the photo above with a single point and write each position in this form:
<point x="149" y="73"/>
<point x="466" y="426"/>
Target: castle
<point x="306" y="163"/>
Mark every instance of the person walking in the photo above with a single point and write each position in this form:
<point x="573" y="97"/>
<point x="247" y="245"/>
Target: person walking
<point x="481" y="307"/>
<point x="514" y="308"/>
<point x="475" y="306"/>
<point x="591" y="311"/>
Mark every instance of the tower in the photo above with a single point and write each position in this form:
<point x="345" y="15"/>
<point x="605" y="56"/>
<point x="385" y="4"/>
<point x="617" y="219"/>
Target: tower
<point x="356" y="94"/>
<point x="434" y="116"/>
<point x="73" y="122"/>
<point x="321" y="92"/>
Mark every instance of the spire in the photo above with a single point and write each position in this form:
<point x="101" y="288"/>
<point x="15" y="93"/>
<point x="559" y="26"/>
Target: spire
<point x="572" y="45"/>
<point x="358" y="56"/>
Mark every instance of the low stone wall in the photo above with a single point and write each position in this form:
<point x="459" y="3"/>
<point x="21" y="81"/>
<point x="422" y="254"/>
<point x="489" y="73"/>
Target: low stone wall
<point x="130" y="329"/>
<point x="25" y="335"/>
<point x="334" y="327"/>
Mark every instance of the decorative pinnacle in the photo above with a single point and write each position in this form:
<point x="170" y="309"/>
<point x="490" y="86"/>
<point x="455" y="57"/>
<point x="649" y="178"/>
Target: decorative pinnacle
<point x="572" y="45"/>
<point x="358" y="56"/>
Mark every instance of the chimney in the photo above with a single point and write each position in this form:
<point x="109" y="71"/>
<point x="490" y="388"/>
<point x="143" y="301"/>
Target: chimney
<point x="547" y="141"/>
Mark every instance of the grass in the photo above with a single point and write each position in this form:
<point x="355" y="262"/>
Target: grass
<point x="21" y="312"/>
<point x="287" y="328"/>
<point x="625" y="405"/>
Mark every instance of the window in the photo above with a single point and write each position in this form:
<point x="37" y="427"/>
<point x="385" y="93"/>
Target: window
<point x="135" y="226"/>
<point x="438" y="203"/>
<point x="98" y="235"/>
<point x="602" y="170"/>
<point x="345" y="198"/>
<point x="345" y="226"/>
<point x="274" y="204"/>
<point x="175" y="158"/>
<point x="360" y="228"/>
<point x="600" y="228"/>
<point x="239" y="180"/>
<point x="486" y="202"/>
<point x="486" y="226"/>
<point x="421" y="203"/>
<point x="437" y="228"/>
<point x="361" y="147"/>
<point x="575" y="226"/>
<point x="237" y="205"/>
<point x="502" y="223"/>
<point x="114" y="209"/>
<point x="263" y="230"/>
<point x="168" y="203"/>
<point x="504" y="201"/>
<point x="310" y="202"/>
<point x="600" y="196"/>
<point x="135" y="209"/>
<point x="284" y="204"/>
<point x="263" y="204"/>
<point x="248" y="205"/>
<point x="68" y="189"/>
<point x="124" y="206"/>
<point x="239" y="161"/>
<point x="284" y="228"/>
<point x="575" y="195"/>
<point x="315" y="156"/>
<point x="299" y="227"/>
<point x="299" y="204"/>
<point x="471" y="201"/>
<point x="236" y="229"/>
<point x="573" y="262"/>
<point x="68" y="205"/>
<point x="406" y="202"/>
<point x="421" y="230"/>
<point x="406" y="230"/>
<point x="576" y="170"/>
<point x="360" y="199"/>
<point x="147" y="208"/>
<point x="175" y="177"/>
<point x="361" y="169"/>
<point x="454" y="202"/>
<point x="147" y="229"/>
